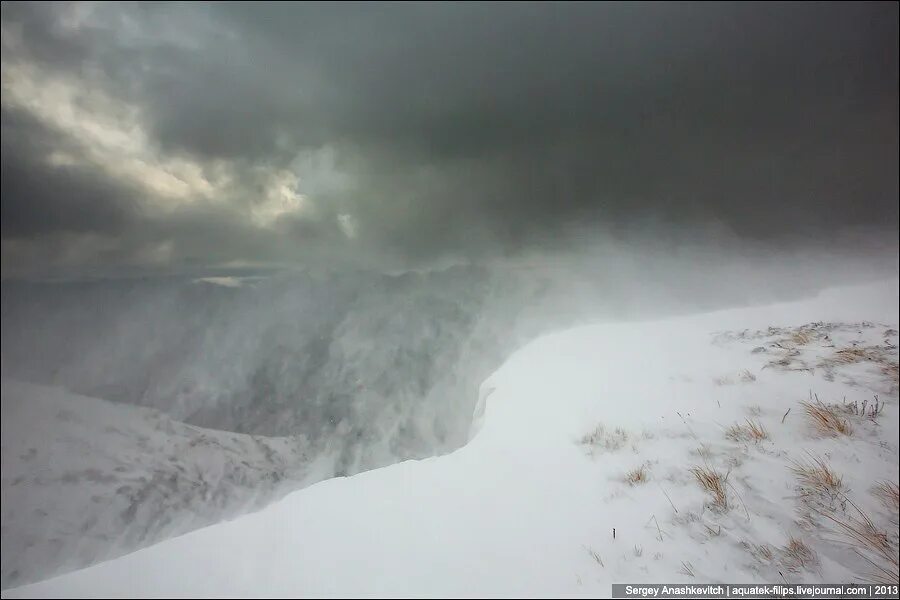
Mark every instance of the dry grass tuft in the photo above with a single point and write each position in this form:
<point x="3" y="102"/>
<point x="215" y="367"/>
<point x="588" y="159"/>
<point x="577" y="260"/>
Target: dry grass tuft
<point x="891" y="371"/>
<point x="784" y="362"/>
<point x="752" y="431"/>
<point x="889" y="493"/>
<point x="816" y="476"/>
<point x="826" y="420"/>
<point x="714" y="483"/>
<point x="881" y="356"/>
<point x="796" y="554"/>
<point x="637" y="476"/>
<point x="757" y="431"/>
<point x="762" y="552"/>
<point x="876" y="547"/>
<point x="602" y="438"/>
<point x="801" y="338"/>
<point x="848" y="356"/>
<point x="736" y="433"/>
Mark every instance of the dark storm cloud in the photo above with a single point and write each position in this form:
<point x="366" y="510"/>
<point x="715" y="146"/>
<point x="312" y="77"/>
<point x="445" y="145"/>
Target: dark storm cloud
<point x="40" y="198"/>
<point x="467" y="129"/>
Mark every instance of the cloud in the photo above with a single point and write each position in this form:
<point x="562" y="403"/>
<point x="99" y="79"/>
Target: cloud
<point x="47" y="189"/>
<point x="404" y="134"/>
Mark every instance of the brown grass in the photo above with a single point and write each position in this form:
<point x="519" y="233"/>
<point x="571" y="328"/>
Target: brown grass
<point x="796" y="554"/>
<point x="879" y="355"/>
<point x="826" y="420"/>
<point x="757" y="431"/>
<point x="889" y="493"/>
<point x="762" y="552"/>
<point x="848" y="356"/>
<point x="714" y="483"/>
<point x="891" y="371"/>
<point x="801" y="338"/>
<point x="876" y="547"/>
<point x="817" y="476"/>
<point x="637" y="476"/>
<point x="736" y="432"/>
<point x="752" y="431"/>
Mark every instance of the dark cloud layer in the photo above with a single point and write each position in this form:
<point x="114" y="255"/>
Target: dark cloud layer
<point x="447" y="130"/>
<point x="42" y="198"/>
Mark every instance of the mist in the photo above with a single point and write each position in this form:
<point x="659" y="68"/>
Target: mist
<point x="373" y="368"/>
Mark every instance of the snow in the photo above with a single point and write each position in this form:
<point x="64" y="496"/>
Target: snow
<point x="529" y="505"/>
<point x="86" y="480"/>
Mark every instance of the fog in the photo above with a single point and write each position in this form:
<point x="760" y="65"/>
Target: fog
<point x="268" y="381"/>
<point x="371" y="368"/>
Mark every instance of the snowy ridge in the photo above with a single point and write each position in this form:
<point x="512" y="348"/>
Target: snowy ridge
<point x="529" y="505"/>
<point x="86" y="480"/>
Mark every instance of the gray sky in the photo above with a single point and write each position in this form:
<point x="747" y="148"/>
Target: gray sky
<point x="159" y="136"/>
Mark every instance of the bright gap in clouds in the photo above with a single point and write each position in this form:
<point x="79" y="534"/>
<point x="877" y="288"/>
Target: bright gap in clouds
<point x="108" y="134"/>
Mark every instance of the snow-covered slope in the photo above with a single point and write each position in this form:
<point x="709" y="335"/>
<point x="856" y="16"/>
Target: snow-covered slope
<point x="86" y="480"/>
<point x="530" y="505"/>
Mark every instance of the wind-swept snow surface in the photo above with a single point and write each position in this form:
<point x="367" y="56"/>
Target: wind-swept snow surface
<point x="86" y="480"/>
<point x="584" y="432"/>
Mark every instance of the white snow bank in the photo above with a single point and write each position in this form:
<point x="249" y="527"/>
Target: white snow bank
<point x="527" y="509"/>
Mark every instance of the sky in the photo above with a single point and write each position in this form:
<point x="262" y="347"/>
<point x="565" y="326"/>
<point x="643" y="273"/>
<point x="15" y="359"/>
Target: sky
<point x="195" y="135"/>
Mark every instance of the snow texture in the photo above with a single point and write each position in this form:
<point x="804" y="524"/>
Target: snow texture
<point x="86" y="480"/>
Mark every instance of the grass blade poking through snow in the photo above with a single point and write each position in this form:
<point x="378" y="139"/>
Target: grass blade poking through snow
<point x="714" y="483"/>
<point x="815" y="476"/>
<point x="637" y="476"/>
<point x="888" y="493"/>
<point x="876" y="547"/>
<point x="826" y="420"/>
<point x="752" y="431"/>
